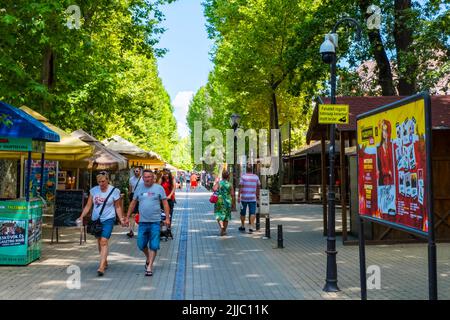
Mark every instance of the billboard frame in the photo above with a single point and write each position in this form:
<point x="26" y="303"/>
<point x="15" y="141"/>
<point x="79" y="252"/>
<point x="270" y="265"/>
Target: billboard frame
<point x="430" y="235"/>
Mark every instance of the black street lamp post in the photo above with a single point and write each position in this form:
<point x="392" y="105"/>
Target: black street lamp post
<point x="328" y="52"/>
<point x="234" y="121"/>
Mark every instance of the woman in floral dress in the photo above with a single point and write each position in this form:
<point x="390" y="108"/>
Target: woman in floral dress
<point x="222" y="208"/>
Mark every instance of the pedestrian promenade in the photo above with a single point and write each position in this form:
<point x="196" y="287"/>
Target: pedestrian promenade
<point x="198" y="264"/>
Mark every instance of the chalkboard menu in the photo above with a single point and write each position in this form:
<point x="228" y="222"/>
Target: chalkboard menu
<point x="68" y="207"/>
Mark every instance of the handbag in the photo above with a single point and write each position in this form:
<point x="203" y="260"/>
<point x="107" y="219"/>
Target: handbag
<point x="95" y="227"/>
<point x="134" y="189"/>
<point x="214" y="197"/>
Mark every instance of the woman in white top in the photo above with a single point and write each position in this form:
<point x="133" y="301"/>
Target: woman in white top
<point x="97" y="197"/>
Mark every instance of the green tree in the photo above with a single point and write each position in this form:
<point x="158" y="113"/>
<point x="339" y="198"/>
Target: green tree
<point x="101" y="77"/>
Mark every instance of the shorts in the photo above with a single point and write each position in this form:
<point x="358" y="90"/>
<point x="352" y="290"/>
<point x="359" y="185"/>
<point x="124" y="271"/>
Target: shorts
<point x="107" y="228"/>
<point x="251" y="207"/>
<point x="148" y="235"/>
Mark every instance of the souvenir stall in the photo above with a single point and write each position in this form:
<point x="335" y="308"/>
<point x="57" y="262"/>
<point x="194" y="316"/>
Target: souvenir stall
<point x="21" y="217"/>
<point x="61" y="173"/>
<point x="135" y="155"/>
<point x="103" y="158"/>
<point x="65" y="156"/>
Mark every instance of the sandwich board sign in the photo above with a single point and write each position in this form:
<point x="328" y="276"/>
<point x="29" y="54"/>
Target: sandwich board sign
<point x="264" y="201"/>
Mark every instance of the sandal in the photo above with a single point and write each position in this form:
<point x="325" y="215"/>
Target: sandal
<point x="148" y="273"/>
<point x="100" y="273"/>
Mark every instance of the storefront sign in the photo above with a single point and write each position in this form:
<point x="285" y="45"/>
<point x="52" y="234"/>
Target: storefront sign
<point x="392" y="165"/>
<point x="333" y="113"/>
<point x="21" y="145"/>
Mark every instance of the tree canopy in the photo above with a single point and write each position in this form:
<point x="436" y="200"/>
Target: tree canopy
<point x="268" y="69"/>
<point x="101" y="77"/>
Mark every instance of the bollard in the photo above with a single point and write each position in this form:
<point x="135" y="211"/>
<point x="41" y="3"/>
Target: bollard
<point x="280" y="236"/>
<point x="267" y="228"/>
<point x="258" y="221"/>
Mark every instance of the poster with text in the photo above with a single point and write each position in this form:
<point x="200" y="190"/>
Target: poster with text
<point x="392" y="171"/>
<point x="50" y="178"/>
<point x="12" y="233"/>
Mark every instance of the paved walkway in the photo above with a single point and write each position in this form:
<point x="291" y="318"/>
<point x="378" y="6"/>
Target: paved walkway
<point x="199" y="264"/>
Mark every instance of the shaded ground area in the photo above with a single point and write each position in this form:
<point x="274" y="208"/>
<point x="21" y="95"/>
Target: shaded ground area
<point x="199" y="264"/>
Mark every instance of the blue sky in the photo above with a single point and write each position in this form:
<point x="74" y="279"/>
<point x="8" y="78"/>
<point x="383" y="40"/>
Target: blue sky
<point x="184" y="69"/>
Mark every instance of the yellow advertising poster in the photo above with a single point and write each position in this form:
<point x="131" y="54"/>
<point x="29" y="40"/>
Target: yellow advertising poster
<point x="392" y="165"/>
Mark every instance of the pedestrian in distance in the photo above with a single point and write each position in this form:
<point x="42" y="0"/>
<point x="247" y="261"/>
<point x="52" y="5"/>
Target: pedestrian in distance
<point x="181" y="180"/>
<point x="194" y="182"/>
<point x="167" y="181"/>
<point x="150" y="195"/>
<point x="134" y="182"/>
<point x="188" y="181"/>
<point x="222" y="208"/>
<point x="248" y="196"/>
<point x="105" y="200"/>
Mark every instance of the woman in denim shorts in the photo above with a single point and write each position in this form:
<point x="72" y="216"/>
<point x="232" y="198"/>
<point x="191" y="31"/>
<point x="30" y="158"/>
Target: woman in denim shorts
<point x="97" y="197"/>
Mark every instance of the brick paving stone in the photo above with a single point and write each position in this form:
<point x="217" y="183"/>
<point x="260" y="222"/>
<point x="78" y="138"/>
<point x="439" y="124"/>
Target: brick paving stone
<point x="239" y="266"/>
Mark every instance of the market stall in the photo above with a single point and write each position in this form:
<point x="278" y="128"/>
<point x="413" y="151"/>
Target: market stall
<point x="135" y="155"/>
<point x="21" y="218"/>
<point x="103" y="158"/>
<point x="69" y="154"/>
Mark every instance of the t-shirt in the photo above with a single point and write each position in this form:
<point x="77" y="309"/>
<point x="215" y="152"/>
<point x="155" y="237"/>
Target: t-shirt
<point x="98" y="197"/>
<point x="249" y="182"/>
<point x="149" y="202"/>
<point x="133" y="180"/>
<point x="167" y="189"/>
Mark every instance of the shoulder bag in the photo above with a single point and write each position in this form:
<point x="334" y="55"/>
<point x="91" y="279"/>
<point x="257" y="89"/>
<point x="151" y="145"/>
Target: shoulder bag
<point x="134" y="189"/>
<point x="95" y="227"/>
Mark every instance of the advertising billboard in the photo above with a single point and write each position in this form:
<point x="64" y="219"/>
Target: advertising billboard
<point x="393" y="164"/>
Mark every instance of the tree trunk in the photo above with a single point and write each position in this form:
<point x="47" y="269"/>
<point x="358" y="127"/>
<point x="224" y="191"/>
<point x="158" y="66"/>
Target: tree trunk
<point x="403" y="36"/>
<point x="385" y="79"/>
<point x="275" y="124"/>
<point x="48" y="74"/>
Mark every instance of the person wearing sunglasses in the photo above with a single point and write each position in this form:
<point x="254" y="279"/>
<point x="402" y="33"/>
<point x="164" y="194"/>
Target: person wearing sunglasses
<point x="134" y="182"/>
